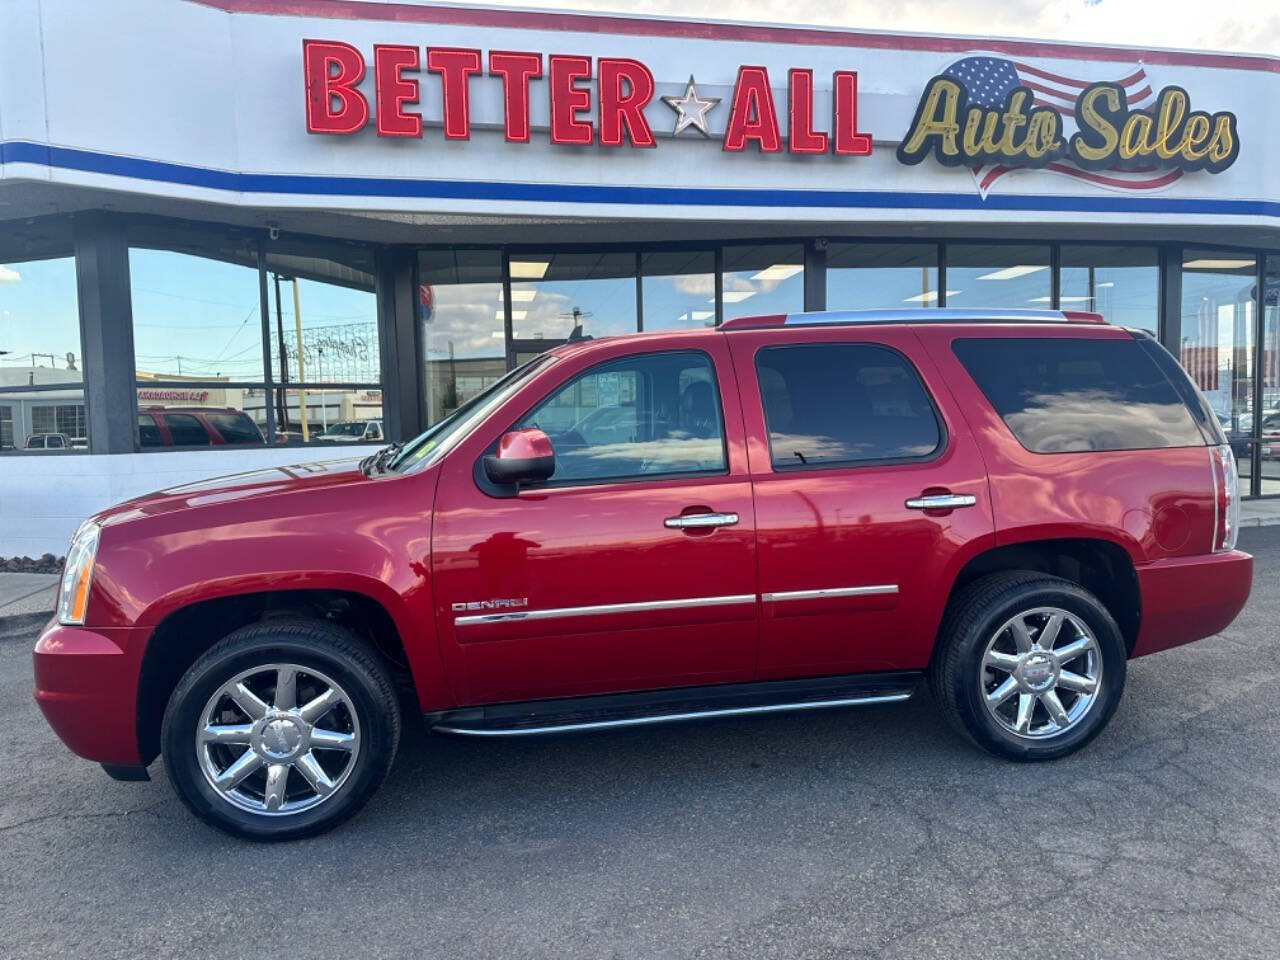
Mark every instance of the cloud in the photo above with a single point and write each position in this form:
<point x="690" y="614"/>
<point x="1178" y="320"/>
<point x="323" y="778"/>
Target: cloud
<point x="8" y="275"/>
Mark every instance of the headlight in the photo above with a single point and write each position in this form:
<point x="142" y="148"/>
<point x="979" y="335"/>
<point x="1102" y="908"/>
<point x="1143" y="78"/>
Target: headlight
<point x="73" y="597"/>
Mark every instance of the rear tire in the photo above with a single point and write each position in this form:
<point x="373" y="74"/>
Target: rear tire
<point x="282" y="730"/>
<point x="1029" y="666"/>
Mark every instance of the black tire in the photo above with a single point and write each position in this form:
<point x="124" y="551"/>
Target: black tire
<point x="332" y="651"/>
<point x="972" y="619"/>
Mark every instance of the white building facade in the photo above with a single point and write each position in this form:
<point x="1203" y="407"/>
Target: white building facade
<point x="313" y="215"/>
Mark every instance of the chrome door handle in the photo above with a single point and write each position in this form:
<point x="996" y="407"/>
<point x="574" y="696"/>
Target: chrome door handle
<point x="942" y="501"/>
<point x="694" y="521"/>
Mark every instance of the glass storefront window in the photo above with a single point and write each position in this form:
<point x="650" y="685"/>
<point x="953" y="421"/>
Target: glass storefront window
<point x="1269" y="475"/>
<point x="41" y="363"/>
<point x="196" y="316"/>
<point x="678" y="289"/>
<point x="552" y="294"/>
<point x="322" y="308"/>
<point x="1004" y="276"/>
<point x="881" y="275"/>
<point x="1217" y="346"/>
<point x="1121" y="283"/>
<point x="460" y="309"/>
<point x="322" y="314"/>
<point x="762" y="279"/>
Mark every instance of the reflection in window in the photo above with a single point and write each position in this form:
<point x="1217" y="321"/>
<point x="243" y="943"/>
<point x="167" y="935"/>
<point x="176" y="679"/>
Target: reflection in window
<point x="1061" y="395"/>
<point x="765" y="279"/>
<point x="1004" y="276"/>
<point x="196" y="317"/>
<point x="1269" y="476"/>
<point x="323" y="316"/>
<point x="645" y="415"/>
<point x="1121" y="283"/>
<point x="554" y="294"/>
<point x="1218" y="334"/>
<point x="40" y="340"/>
<point x="460" y="308"/>
<point x="678" y="289"/>
<point x="333" y="415"/>
<point x="843" y="403"/>
<point x="881" y="275"/>
<point x="61" y="425"/>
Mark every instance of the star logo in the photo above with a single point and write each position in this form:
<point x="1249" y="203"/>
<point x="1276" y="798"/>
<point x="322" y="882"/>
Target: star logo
<point x="691" y="110"/>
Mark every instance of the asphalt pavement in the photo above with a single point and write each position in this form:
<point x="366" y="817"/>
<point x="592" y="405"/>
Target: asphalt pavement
<point x="866" y="833"/>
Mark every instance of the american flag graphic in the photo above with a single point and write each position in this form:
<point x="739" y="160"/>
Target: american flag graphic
<point x="990" y="80"/>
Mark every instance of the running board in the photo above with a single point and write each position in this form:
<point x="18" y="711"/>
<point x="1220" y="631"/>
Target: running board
<point x="614" y="711"/>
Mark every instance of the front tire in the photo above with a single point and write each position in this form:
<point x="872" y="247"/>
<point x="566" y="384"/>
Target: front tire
<point x="282" y="730"/>
<point x="1029" y="666"/>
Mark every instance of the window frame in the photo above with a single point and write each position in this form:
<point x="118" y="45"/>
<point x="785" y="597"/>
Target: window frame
<point x="497" y="490"/>
<point x="944" y="435"/>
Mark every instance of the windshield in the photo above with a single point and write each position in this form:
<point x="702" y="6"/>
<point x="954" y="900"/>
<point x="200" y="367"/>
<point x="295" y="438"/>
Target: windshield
<point x="428" y="447"/>
<point x="345" y="430"/>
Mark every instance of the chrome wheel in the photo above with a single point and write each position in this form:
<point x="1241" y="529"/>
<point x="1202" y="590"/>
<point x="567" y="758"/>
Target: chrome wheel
<point x="278" y="739"/>
<point x="1041" y="673"/>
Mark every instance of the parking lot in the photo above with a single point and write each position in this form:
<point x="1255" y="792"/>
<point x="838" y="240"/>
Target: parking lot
<point x="868" y="833"/>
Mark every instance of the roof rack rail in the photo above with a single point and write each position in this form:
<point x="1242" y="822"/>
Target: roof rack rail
<point x="918" y="315"/>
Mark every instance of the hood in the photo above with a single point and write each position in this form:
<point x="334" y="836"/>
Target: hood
<point x="238" y="487"/>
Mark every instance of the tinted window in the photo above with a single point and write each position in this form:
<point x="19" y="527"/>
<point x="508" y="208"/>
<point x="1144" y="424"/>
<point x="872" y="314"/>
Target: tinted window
<point x="1060" y="395"/>
<point x="235" y="428"/>
<point x="148" y="432"/>
<point x="645" y="415"/>
<point x="844" y="403"/>
<point x="186" y="430"/>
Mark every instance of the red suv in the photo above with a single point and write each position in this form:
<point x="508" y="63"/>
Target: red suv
<point x="784" y="513"/>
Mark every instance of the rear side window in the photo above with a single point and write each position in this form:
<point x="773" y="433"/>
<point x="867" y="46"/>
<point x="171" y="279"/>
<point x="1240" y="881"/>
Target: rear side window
<point x="186" y="430"/>
<point x="1061" y="395"/>
<point x="148" y="432"/>
<point x="834" y="403"/>
<point x="235" y="427"/>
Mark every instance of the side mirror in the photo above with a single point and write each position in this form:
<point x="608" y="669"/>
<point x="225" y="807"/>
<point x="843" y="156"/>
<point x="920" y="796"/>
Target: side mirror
<point x="524" y="456"/>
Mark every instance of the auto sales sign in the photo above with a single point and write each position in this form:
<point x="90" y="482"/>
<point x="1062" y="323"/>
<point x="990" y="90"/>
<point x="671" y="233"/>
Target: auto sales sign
<point x="994" y="116"/>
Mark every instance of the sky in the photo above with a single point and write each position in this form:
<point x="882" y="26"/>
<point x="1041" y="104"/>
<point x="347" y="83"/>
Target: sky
<point x="1231" y="25"/>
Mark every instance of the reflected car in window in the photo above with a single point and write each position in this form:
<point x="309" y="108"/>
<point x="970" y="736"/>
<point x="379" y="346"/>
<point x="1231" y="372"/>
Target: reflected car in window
<point x="196" y="427"/>
<point x="48" y="441"/>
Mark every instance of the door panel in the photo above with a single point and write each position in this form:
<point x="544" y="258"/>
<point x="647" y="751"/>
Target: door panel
<point x="852" y="579"/>
<point x="581" y="589"/>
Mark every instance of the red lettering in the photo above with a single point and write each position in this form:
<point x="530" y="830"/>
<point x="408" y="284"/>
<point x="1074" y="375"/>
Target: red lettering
<point x="516" y="70"/>
<point x="802" y="138"/>
<point x="455" y="66"/>
<point x="849" y="142"/>
<point x="619" y="110"/>
<point x="332" y="70"/>
<point x="394" y="91"/>
<point x="753" y="116"/>
<point x="568" y="100"/>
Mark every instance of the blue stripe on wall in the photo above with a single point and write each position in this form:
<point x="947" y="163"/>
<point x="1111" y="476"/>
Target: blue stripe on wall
<point x="66" y="158"/>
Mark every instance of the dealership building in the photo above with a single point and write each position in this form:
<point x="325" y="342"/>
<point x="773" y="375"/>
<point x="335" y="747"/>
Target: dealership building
<point x="231" y="229"/>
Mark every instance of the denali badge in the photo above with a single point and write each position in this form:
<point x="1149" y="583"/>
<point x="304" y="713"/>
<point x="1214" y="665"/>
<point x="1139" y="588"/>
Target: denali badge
<point x="499" y="603"/>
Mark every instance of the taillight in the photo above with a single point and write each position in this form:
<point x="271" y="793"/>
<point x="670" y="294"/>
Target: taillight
<point x="1226" y="498"/>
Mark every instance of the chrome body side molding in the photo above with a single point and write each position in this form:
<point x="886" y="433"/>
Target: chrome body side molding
<point x="605" y="609"/>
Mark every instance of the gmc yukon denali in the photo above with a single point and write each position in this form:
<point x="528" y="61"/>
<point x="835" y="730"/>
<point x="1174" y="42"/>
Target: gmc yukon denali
<point x="784" y="513"/>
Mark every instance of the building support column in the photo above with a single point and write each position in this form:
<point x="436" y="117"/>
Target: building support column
<point x="403" y="416"/>
<point x="1171" y="300"/>
<point x="815" y="275"/>
<point x="106" y="333"/>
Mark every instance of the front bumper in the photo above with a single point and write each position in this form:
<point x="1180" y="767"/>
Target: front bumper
<point x="1189" y="598"/>
<point x="87" y="688"/>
